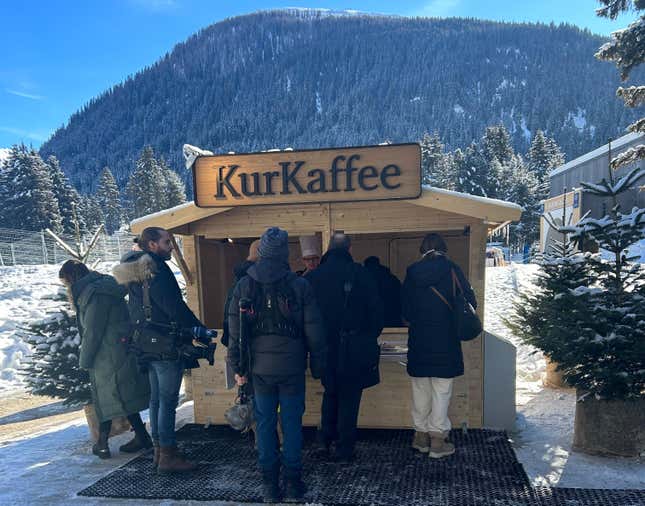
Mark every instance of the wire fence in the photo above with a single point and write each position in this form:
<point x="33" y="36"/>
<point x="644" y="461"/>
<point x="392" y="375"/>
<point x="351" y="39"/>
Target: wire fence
<point x="26" y="247"/>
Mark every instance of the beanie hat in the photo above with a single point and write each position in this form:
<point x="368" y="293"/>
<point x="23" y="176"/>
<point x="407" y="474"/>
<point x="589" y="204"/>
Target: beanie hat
<point x="253" y="251"/>
<point x="274" y="244"/>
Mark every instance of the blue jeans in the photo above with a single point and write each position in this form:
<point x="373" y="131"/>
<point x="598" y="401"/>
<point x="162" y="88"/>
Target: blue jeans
<point x="165" y="382"/>
<point x="292" y="407"/>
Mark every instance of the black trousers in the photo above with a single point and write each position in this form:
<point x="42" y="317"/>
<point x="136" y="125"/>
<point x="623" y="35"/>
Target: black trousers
<point x="339" y="417"/>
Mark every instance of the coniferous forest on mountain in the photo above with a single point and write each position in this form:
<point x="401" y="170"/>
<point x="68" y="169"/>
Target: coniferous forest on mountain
<point x="307" y="79"/>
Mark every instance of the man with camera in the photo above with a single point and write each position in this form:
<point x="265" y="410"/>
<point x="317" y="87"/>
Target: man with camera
<point x="353" y="316"/>
<point x="164" y="332"/>
<point x="275" y="313"/>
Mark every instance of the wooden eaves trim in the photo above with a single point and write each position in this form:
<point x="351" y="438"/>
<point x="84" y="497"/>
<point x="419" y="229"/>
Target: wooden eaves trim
<point x="489" y="210"/>
<point x="175" y="217"/>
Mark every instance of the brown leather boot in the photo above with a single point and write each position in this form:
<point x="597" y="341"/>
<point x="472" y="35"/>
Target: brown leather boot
<point x="171" y="461"/>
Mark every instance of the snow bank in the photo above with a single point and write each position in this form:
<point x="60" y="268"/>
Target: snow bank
<point x="26" y="294"/>
<point x="502" y="286"/>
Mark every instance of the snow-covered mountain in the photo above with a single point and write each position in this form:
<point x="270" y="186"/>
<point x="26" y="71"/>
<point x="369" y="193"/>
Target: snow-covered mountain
<point x="4" y="154"/>
<point x="308" y="78"/>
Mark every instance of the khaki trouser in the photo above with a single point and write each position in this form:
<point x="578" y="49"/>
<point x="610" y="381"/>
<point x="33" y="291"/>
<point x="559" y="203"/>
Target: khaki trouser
<point x="430" y="401"/>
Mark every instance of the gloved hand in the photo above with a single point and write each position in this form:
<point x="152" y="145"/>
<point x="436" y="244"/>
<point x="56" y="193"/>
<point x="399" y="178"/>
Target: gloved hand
<point x="203" y="334"/>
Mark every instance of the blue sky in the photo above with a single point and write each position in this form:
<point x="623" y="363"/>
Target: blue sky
<point x="56" y="55"/>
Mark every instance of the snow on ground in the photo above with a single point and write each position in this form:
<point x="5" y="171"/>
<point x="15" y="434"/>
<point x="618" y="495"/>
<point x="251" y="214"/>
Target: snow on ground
<point x="26" y="292"/>
<point x="502" y="284"/>
<point x="49" y="466"/>
<point x="545" y="416"/>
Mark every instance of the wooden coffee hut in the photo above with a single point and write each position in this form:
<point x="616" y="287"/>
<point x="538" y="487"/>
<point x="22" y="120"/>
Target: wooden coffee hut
<point x="375" y="195"/>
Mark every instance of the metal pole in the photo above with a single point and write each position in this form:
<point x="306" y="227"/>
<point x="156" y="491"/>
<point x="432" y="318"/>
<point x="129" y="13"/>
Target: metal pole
<point x="13" y="254"/>
<point x="1" y="260"/>
<point x="42" y="238"/>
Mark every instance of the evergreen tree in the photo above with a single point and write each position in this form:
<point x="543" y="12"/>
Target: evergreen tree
<point x="554" y="313"/>
<point x="436" y="164"/>
<point x="626" y="50"/>
<point x="107" y="196"/>
<point x="67" y="197"/>
<point x="146" y="189"/>
<point x="91" y="213"/>
<point x="175" y="192"/>
<point x="521" y="186"/>
<point x="496" y="144"/>
<point x="28" y="201"/>
<point x="609" y="359"/>
<point x="52" y="369"/>
<point x="544" y="155"/>
<point x="480" y="182"/>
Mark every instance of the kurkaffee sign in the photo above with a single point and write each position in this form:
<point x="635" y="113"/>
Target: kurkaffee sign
<point x="329" y="175"/>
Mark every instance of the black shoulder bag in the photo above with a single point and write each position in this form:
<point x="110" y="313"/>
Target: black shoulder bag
<point x="466" y="320"/>
<point x="149" y="339"/>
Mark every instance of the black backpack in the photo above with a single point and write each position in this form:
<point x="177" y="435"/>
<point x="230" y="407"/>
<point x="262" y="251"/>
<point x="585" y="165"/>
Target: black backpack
<point x="273" y="308"/>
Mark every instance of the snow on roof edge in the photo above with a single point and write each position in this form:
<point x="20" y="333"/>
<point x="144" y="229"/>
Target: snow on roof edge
<point x="616" y="144"/>
<point x="163" y="212"/>
<point x="476" y="198"/>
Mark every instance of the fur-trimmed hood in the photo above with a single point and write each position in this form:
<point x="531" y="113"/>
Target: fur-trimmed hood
<point x="135" y="267"/>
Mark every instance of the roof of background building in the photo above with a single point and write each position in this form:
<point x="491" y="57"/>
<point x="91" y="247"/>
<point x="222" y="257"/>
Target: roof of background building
<point x="602" y="150"/>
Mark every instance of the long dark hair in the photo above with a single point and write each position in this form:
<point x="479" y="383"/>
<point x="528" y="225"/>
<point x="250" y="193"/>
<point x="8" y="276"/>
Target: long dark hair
<point x="433" y="242"/>
<point x="72" y="271"/>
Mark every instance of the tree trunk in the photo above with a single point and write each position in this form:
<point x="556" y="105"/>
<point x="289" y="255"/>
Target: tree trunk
<point x="553" y="378"/>
<point x="119" y="425"/>
<point x="609" y="427"/>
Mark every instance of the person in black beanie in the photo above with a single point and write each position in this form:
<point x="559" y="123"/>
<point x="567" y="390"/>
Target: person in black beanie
<point x="286" y="325"/>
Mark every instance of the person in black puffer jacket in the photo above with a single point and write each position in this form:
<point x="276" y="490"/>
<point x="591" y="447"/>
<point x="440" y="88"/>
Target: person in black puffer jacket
<point x="352" y="361"/>
<point x="286" y="326"/>
<point x="434" y="349"/>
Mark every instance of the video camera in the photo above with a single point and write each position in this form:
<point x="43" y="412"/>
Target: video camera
<point x="192" y="343"/>
<point x="202" y="346"/>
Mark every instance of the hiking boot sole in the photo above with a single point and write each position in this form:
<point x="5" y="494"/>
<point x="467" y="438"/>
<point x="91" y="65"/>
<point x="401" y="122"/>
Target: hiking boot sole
<point x="439" y="455"/>
<point x="422" y="449"/>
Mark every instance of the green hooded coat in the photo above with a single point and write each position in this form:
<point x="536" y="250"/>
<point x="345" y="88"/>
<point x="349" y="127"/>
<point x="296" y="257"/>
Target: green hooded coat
<point x="118" y="388"/>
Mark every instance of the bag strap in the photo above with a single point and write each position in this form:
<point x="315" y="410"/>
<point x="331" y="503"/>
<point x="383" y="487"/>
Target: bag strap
<point x="455" y="283"/>
<point x="438" y="294"/>
<point x="147" y="305"/>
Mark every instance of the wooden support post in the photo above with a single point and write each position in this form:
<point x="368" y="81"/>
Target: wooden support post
<point x="327" y="231"/>
<point x="183" y="266"/>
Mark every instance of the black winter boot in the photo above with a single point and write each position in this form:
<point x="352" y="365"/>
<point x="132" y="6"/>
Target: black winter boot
<point x="101" y="448"/>
<point x="271" y="485"/>
<point x="141" y="440"/>
<point x="295" y="488"/>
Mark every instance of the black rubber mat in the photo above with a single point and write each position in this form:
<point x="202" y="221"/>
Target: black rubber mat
<point x="483" y="471"/>
<point x="589" y="497"/>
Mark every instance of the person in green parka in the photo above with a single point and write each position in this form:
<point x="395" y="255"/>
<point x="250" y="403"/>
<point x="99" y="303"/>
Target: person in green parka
<point x="118" y="387"/>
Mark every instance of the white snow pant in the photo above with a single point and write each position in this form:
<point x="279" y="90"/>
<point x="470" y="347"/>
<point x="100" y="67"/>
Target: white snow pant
<point x="430" y="401"/>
